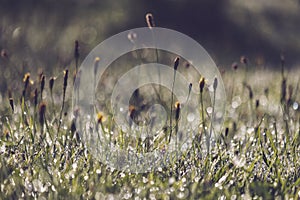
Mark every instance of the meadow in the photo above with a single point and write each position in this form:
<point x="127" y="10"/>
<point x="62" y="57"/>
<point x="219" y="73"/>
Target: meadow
<point x="256" y="156"/>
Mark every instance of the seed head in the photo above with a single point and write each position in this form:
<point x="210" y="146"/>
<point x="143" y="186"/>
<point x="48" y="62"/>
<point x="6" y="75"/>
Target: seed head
<point x="132" y="111"/>
<point x="4" y="53"/>
<point x="96" y="65"/>
<point x="201" y="84"/>
<point x="244" y="60"/>
<point x="42" y="111"/>
<point x="66" y="74"/>
<point x="150" y="20"/>
<point x="73" y="125"/>
<point x="257" y="103"/>
<point x="26" y="80"/>
<point x="51" y="83"/>
<point x="215" y="85"/>
<point x="234" y="66"/>
<point x="226" y="131"/>
<point x="177" y="113"/>
<point x="176" y="63"/>
<point x="250" y="91"/>
<point x="100" y="117"/>
<point x="190" y="87"/>
<point x="11" y="103"/>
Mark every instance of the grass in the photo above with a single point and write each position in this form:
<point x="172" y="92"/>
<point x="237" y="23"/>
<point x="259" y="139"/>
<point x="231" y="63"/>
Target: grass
<point x="257" y="156"/>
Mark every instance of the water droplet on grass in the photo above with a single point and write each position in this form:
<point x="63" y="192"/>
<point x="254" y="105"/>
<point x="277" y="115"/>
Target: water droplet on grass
<point x="295" y="106"/>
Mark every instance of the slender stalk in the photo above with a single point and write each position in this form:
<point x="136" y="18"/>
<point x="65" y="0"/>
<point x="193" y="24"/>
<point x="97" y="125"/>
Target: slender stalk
<point x="215" y="85"/>
<point x="176" y="63"/>
<point x="76" y="54"/>
<point x="201" y="87"/>
<point x="66" y="73"/>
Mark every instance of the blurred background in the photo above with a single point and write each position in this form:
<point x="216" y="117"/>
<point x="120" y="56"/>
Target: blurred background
<point x="39" y="36"/>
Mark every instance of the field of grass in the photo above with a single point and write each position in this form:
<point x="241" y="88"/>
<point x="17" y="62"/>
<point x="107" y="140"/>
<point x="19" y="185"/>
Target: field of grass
<point x="257" y="154"/>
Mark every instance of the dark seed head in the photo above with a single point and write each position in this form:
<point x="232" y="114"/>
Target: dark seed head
<point x="190" y="87"/>
<point x="226" y="131"/>
<point x="177" y="107"/>
<point x="42" y="111"/>
<point x="11" y="103"/>
<point x="26" y="80"/>
<point x="234" y="66"/>
<point x="73" y="125"/>
<point x="176" y="63"/>
<point x="250" y="91"/>
<point x="51" y="83"/>
<point x="215" y="85"/>
<point x="66" y="74"/>
<point x="257" y="103"/>
<point x="201" y="84"/>
<point x="42" y="83"/>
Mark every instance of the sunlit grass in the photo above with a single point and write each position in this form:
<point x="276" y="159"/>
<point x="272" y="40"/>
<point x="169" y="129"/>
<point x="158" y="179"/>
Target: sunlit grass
<point x="257" y="156"/>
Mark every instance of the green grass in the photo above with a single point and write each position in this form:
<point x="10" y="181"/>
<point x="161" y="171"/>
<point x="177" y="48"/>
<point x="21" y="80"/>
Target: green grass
<point x="258" y="154"/>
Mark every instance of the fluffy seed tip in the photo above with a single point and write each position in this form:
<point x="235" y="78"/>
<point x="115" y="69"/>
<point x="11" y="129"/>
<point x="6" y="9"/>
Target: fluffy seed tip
<point x="150" y="20"/>
<point x="244" y="60"/>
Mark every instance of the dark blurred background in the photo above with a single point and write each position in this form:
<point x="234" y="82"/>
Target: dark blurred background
<point x="39" y="35"/>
